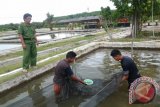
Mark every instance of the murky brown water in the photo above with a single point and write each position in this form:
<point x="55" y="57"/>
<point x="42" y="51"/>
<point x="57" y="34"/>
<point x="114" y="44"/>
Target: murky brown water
<point x="98" y="65"/>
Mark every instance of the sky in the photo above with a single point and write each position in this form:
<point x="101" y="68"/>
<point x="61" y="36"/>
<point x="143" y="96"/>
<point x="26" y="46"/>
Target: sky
<point x="11" y="11"/>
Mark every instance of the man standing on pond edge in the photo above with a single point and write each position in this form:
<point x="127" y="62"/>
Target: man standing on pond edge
<point x="28" y="40"/>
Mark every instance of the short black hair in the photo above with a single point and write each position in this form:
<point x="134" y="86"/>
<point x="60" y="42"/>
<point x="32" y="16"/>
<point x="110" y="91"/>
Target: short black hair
<point x="115" y="52"/>
<point x="26" y="15"/>
<point x="71" y="54"/>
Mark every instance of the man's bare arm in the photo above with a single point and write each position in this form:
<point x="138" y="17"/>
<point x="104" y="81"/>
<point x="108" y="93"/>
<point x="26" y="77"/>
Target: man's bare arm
<point x="125" y="77"/>
<point x="73" y="77"/>
<point x="36" y="39"/>
<point x="22" y="41"/>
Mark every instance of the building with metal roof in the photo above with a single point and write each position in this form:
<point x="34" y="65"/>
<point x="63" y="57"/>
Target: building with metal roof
<point x="88" y="22"/>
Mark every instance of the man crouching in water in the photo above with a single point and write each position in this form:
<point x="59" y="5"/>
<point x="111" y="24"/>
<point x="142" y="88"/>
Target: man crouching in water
<point x="130" y="70"/>
<point x="64" y="75"/>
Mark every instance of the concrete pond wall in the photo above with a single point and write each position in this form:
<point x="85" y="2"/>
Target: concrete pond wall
<point x="81" y="51"/>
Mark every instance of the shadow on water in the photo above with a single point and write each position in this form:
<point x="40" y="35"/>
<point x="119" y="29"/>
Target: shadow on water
<point x="44" y="97"/>
<point x="98" y="66"/>
<point x="35" y="98"/>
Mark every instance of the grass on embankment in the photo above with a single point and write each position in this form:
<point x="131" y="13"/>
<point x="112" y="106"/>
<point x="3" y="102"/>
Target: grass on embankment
<point x="73" y="42"/>
<point x="10" y="77"/>
<point x="51" y="45"/>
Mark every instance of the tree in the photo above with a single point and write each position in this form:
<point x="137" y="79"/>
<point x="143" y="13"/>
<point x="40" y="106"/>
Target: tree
<point x="139" y="10"/>
<point x="142" y="11"/>
<point x="110" y="16"/>
<point x="49" y="21"/>
<point x="106" y="14"/>
<point x="123" y="8"/>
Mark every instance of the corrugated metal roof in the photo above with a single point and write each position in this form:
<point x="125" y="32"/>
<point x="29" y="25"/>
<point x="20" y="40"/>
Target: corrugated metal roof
<point x="79" y="19"/>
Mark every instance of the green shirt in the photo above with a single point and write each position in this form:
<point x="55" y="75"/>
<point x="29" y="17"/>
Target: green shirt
<point x="27" y="31"/>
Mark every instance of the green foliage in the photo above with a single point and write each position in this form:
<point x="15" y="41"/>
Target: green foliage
<point x="123" y="7"/>
<point x="139" y="10"/>
<point x="106" y="13"/>
<point x="38" y="25"/>
<point x="7" y="27"/>
<point x="11" y="26"/>
<point x="49" y="21"/>
<point x="126" y="8"/>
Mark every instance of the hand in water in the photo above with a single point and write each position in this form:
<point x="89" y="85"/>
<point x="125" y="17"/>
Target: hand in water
<point x="84" y="83"/>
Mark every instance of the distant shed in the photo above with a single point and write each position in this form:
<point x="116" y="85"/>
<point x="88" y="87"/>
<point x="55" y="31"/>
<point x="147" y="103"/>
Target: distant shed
<point x="89" y="21"/>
